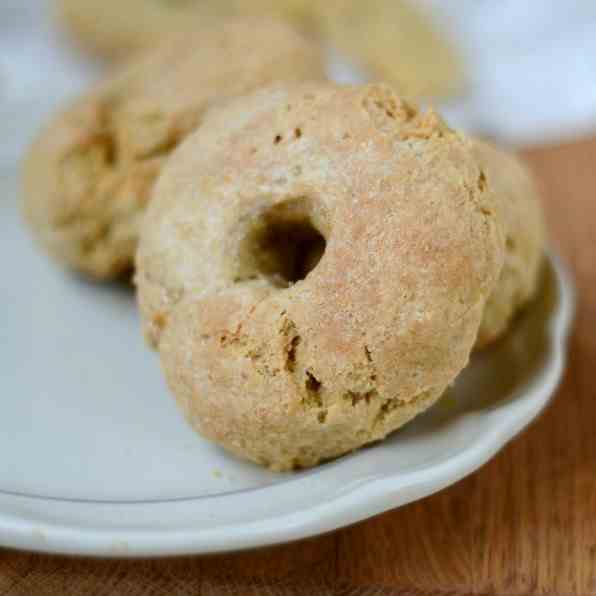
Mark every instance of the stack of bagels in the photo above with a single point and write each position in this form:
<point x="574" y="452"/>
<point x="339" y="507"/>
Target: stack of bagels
<point x="314" y="263"/>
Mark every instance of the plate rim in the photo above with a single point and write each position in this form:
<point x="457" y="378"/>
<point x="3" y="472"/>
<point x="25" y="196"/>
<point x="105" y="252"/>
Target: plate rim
<point x="364" y="499"/>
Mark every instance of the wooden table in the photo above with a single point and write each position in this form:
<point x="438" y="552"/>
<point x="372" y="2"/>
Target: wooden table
<point x="524" y="524"/>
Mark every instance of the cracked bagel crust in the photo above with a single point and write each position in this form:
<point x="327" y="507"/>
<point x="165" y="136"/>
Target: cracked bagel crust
<point x="292" y="375"/>
<point x="89" y="176"/>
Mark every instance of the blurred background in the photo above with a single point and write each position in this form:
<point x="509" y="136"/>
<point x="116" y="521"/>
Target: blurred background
<point x="522" y="73"/>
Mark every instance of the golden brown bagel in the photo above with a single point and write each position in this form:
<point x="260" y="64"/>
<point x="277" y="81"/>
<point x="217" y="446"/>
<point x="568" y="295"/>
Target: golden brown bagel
<point x="90" y="174"/>
<point x="521" y="212"/>
<point x="314" y="268"/>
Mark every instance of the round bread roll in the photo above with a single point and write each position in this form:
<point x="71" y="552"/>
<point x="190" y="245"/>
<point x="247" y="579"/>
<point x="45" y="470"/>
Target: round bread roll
<point x="90" y="174"/>
<point x="520" y="210"/>
<point x="314" y="268"/>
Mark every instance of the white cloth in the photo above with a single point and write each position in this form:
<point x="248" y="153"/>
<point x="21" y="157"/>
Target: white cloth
<point x="531" y="64"/>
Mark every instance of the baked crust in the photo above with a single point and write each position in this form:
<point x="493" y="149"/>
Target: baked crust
<point x="89" y="176"/>
<point x="288" y="370"/>
<point x="521" y="212"/>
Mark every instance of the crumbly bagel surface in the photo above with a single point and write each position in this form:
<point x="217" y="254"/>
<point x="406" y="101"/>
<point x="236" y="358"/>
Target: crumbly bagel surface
<point x="314" y="268"/>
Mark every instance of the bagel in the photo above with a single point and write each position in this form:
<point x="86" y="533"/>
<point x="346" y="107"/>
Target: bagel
<point x="521" y="212"/>
<point x="314" y="267"/>
<point x="115" y="29"/>
<point x="395" y="40"/>
<point x="90" y="174"/>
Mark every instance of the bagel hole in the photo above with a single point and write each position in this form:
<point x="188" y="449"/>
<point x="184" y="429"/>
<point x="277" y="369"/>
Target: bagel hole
<point x="284" y="245"/>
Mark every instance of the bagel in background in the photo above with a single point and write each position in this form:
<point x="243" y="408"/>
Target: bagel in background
<point x="90" y="174"/>
<point x="116" y="29"/>
<point x="314" y="268"/>
<point x="396" y="41"/>
<point x="525" y="228"/>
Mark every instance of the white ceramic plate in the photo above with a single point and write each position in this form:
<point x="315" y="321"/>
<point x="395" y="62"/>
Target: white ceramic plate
<point x="97" y="460"/>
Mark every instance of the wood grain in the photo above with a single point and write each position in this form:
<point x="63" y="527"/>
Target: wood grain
<point x="524" y="524"/>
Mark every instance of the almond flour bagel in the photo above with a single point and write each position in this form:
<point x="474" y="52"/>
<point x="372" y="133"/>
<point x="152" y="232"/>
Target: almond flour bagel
<point x="90" y="174"/>
<point x="395" y="40"/>
<point x="521" y="213"/>
<point x="314" y="267"/>
<point x="116" y="29"/>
